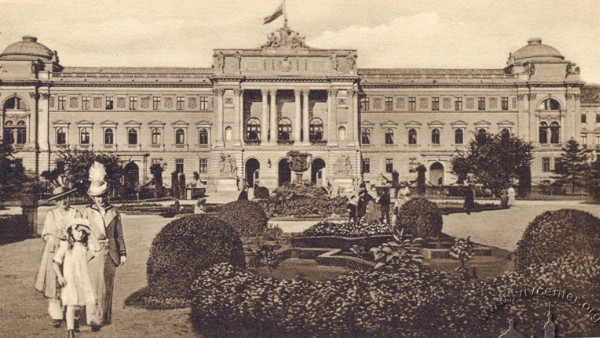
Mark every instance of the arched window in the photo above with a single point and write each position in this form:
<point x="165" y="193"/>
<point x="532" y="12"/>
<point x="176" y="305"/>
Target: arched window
<point x="253" y="129"/>
<point x="543" y="137"/>
<point x="481" y="135"/>
<point x="549" y="104"/>
<point x="84" y="135"/>
<point x="316" y="130"/>
<point x="9" y="137"/>
<point x="179" y="136"/>
<point x="435" y="136"/>
<point x="285" y="129"/>
<point x="554" y="133"/>
<point x="342" y="134"/>
<point x="412" y="136"/>
<point x="202" y="136"/>
<point x="458" y="136"/>
<point x="108" y="136"/>
<point x="228" y="133"/>
<point x="61" y="136"/>
<point x="21" y="132"/>
<point x="132" y="136"/>
<point x="389" y="136"/>
<point x="156" y="136"/>
<point x="504" y="135"/>
<point x="365" y="136"/>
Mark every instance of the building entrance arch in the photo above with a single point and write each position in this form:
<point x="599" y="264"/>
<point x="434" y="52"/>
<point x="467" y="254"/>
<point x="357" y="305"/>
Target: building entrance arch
<point x="285" y="173"/>
<point x="252" y="172"/>
<point x="436" y="174"/>
<point x="317" y="169"/>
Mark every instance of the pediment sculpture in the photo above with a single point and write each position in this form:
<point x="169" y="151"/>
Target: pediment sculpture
<point x="285" y="37"/>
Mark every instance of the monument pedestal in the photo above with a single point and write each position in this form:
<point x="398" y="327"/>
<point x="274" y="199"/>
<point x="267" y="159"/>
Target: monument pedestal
<point x="226" y="184"/>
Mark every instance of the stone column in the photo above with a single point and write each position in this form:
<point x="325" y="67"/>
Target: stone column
<point x="273" y="113"/>
<point x="242" y="120"/>
<point x="305" y="122"/>
<point x="331" y="135"/>
<point x="298" y="116"/>
<point x="264" y="122"/>
<point x="238" y="116"/>
<point x="355" y="117"/>
<point x="32" y="128"/>
<point x="219" y="125"/>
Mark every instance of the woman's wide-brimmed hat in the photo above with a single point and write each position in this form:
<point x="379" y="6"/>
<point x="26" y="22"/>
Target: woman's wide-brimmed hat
<point x="61" y="192"/>
<point x="98" y="184"/>
<point x="78" y="223"/>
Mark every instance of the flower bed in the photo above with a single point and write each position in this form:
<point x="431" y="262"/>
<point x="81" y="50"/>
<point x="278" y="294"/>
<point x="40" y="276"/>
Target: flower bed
<point x="347" y="229"/>
<point x="302" y="201"/>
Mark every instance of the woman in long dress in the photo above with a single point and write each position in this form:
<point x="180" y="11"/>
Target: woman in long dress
<point x="55" y="223"/>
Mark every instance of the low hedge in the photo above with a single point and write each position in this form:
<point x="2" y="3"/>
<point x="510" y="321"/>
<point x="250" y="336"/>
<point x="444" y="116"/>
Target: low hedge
<point x="187" y="246"/>
<point x="302" y="200"/>
<point x="420" y="217"/>
<point x="13" y="228"/>
<point x="553" y="234"/>
<point x="261" y="192"/>
<point x="246" y="217"/>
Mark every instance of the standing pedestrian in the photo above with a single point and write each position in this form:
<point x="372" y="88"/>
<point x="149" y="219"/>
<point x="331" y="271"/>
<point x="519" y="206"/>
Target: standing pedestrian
<point x="384" y="206"/>
<point x="352" y="209"/>
<point x="55" y="224"/>
<point x="511" y="196"/>
<point x="107" y="237"/>
<point x="469" y="198"/>
<point x="504" y="199"/>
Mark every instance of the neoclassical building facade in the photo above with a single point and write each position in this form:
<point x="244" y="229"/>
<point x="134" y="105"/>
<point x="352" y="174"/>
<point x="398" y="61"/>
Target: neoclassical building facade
<point x="237" y="120"/>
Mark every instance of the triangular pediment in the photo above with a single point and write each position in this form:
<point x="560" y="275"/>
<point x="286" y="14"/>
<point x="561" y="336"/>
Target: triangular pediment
<point x="389" y="123"/>
<point x="436" y="124"/>
<point x="203" y="124"/>
<point x="180" y="123"/>
<point x="482" y="123"/>
<point x="61" y="123"/>
<point x="156" y="123"/>
<point x="85" y="123"/>
<point x="459" y="123"/>
<point x="133" y="123"/>
<point x="413" y="124"/>
<point x="367" y="124"/>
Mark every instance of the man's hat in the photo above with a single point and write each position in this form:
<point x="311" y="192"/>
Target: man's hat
<point x="61" y="192"/>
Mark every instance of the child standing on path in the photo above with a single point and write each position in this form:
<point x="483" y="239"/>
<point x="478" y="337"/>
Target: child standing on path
<point x="74" y="278"/>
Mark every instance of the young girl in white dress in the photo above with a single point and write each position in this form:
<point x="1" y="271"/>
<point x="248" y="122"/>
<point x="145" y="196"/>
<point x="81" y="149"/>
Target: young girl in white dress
<point x="74" y="279"/>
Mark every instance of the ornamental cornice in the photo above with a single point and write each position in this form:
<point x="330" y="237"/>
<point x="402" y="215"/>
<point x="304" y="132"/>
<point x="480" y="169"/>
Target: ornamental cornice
<point x="431" y="85"/>
<point x="134" y="85"/>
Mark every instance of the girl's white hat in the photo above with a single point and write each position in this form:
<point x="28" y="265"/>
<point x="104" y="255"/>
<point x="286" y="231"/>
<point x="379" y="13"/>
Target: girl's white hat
<point x="78" y="222"/>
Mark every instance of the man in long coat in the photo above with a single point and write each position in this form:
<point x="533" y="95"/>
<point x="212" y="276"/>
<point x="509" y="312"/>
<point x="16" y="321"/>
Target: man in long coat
<point x="107" y="237"/>
<point x="55" y="223"/>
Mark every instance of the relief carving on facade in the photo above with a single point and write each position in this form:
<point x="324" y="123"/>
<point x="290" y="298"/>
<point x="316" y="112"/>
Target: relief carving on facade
<point x="493" y="102"/>
<point x="377" y="103"/>
<point x="145" y="102"/>
<point x="73" y="102"/>
<point x="97" y="102"/>
<point x="227" y="165"/>
<point x="423" y="102"/>
<point x="514" y="103"/>
<point x="121" y="102"/>
<point x="447" y="103"/>
<point x="401" y="103"/>
<point x="51" y="103"/>
<point x="334" y="61"/>
<point x="285" y="37"/>
<point x="343" y="166"/>
<point x="168" y="102"/>
<point x="470" y="103"/>
<point x="531" y="97"/>
<point x="192" y="102"/>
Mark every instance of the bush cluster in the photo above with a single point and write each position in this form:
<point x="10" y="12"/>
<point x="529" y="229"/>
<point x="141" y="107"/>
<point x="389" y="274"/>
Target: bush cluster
<point x="246" y="217"/>
<point x="553" y="234"/>
<point x="261" y="192"/>
<point x="303" y="200"/>
<point x="348" y="229"/>
<point x="420" y="217"/>
<point x="187" y="246"/>
<point x="13" y="228"/>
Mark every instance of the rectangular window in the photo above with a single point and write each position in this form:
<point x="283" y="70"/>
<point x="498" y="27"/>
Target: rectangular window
<point x="179" y="165"/>
<point x="61" y="102"/>
<point x="180" y="102"/>
<point x="389" y="165"/>
<point x="412" y="103"/>
<point x="597" y="118"/>
<point x="364" y="104"/>
<point x="546" y="164"/>
<point x="366" y="165"/>
<point x="132" y="103"/>
<point x="109" y="103"/>
<point x="458" y="103"/>
<point x="583" y="118"/>
<point x="204" y="103"/>
<point x="556" y="162"/>
<point x="435" y="103"/>
<point x="85" y="103"/>
<point x="505" y="103"/>
<point x="481" y="103"/>
<point x="389" y="103"/>
<point x="155" y="103"/>
<point x="203" y="166"/>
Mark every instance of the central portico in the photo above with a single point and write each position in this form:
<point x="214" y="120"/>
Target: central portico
<point x="287" y="96"/>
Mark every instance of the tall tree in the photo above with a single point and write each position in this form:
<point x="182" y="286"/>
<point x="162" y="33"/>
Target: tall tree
<point x="592" y="179"/>
<point x="495" y="161"/>
<point x="571" y="166"/>
<point x="12" y="173"/>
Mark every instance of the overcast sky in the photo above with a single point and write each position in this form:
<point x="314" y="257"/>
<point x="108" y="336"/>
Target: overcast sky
<point x="386" y="33"/>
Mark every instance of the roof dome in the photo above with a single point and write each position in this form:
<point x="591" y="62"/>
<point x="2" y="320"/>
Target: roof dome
<point x="536" y="51"/>
<point x="27" y="50"/>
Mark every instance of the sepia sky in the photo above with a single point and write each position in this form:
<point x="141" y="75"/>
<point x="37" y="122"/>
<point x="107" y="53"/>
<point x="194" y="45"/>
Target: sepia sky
<point x="386" y="33"/>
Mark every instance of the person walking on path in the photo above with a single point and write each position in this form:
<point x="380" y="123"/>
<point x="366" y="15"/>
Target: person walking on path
<point x="107" y="237"/>
<point x="71" y="268"/>
<point x="504" y="199"/>
<point x="363" y="201"/>
<point x="511" y="196"/>
<point x="469" y="199"/>
<point x="55" y="224"/>
<point x="352" y="209"/>
<point x="384" y="206"/>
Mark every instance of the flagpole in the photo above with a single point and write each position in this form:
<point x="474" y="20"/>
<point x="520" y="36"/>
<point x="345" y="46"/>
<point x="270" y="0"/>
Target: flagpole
<point x="284" y="14"/>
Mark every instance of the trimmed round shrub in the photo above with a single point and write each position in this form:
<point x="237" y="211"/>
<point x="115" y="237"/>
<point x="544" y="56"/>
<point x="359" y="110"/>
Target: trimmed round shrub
<point x="420" y="217"/>
<point x="553" y="234"/>
<point x="246" y="217"/>
<point x="261" y="192"/>
<point x="185" y="247"/>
